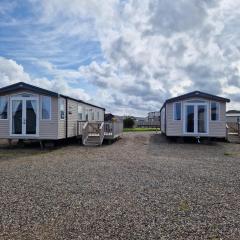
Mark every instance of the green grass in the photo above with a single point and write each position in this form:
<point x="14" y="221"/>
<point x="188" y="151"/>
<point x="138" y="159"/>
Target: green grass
<point x="184" y="206"/>
<point x="140" y="129"/>
<point x="232" y="154"/>
<point x="228" y="154"/>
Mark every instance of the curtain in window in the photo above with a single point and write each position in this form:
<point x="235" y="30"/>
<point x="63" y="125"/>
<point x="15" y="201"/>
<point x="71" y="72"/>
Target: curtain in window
<point x="31" y="116"/>
<point x="34" y="106"/>
<point x="17" y="116"/>
<point x="3" y="107"/>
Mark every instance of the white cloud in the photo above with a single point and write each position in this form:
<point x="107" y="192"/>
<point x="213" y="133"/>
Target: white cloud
<point x="11" y="72"/>
<point x="157" y="49"/>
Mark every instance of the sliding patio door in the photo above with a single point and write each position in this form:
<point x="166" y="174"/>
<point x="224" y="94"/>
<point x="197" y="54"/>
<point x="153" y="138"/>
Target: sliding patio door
<point x="196" y="118"/>
<point x="17" y="117"/>
<point x="202" y="118"/>
<point x="24" y="116"/>
<point x="189" y="119"/>
<point x="31" y="117"/>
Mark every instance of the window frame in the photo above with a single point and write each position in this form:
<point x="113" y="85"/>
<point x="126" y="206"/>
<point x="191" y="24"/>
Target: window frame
<point x="217" y="111"/>
<point x="50" y="109"/>
<point x="62" y="100"/>
<point x="79" y="106"/>
<point x="7" y="100"/>
<point x="174" y="111"/>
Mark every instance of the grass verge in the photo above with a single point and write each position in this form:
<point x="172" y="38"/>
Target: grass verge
<point x="140" y="129"/>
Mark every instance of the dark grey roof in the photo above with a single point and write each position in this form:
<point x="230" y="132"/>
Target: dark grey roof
<point x="24" y="86"/>
<point x="233" y="111"/>
<point x="196" y="94"/>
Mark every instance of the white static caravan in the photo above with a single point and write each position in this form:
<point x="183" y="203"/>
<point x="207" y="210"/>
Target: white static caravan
<point x="233" y="116"/>
<point x="196" y="114"/>
<point x="29" y="112"/>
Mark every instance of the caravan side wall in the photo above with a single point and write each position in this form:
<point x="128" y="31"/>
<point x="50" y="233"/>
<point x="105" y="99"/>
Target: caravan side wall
<point x="48" y="129"/>
<point x="73" y="117"/>
<point x="5" y="123"/>
<point x="232" y="119"/>
<point x="216" y="128"/>
<point x="163" y="120"/>
<point x="174" y="128"/>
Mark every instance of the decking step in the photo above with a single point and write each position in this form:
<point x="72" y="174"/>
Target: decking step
<point x="234" y="138"/>
<point x="93" y="141"/>
<point x="91" y="145"/>
<point x="93" y="138"/>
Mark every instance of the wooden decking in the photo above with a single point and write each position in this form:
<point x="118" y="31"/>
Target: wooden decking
<point x="93" y="133"/>
<point x="113" y="130"/>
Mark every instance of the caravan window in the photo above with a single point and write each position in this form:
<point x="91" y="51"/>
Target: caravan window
<point x="177" y="111"/>
<point x="3" y="108"/>
<point x="215" y="111"/>
<point x="80" y="113"/>
<point x="46" y="108"/>
<point x="62" y="109"/>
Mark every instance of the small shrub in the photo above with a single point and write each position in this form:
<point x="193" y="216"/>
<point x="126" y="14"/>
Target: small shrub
<point x="128" y="122"/>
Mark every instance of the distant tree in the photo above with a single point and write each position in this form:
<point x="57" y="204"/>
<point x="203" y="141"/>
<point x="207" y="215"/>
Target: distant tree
<point x="128" y="122"/>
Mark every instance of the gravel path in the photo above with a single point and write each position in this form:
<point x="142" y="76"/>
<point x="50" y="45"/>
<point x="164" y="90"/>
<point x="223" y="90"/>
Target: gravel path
<point x="140" y="187"/>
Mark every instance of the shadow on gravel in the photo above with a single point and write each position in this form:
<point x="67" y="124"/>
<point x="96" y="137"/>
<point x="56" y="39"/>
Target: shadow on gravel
<point x="32" y="148"/>
<point x="159" y="138"/>
<point x="18" y="150"/>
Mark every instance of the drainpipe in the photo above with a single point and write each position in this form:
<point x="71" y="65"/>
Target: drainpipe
<point x="66" y="118"/>
<point x="165" y="124"/>
<point x="160" y="120"/>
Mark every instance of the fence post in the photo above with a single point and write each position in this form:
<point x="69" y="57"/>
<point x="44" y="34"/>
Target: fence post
<point x="113" y="129"/>
<point x="238" y="123"/>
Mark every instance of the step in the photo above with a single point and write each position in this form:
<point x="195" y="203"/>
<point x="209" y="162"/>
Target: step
<point x="96" y="143"/>
<point x="234" y="138"/>
<point x="92" y="144"/>
<point x="93" y="138"/>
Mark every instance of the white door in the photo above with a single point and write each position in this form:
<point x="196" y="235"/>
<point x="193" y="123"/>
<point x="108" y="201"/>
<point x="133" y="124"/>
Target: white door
<point x="24" y="116"/>
<point x="196" y="118"/>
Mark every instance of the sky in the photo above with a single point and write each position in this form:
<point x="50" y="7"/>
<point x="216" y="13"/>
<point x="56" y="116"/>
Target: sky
<point x="125" y="55"/>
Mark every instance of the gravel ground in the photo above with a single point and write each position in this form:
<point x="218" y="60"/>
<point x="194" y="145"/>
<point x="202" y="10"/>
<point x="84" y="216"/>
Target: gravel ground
<point x="141" y="187"/>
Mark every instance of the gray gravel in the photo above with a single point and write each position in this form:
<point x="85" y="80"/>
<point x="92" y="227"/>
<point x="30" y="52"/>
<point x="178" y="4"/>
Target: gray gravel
<point x="141" y="187"/>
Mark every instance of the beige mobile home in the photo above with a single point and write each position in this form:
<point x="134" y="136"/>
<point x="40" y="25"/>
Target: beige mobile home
<point x="196" y="114"/>
<point x="29" y="112"/>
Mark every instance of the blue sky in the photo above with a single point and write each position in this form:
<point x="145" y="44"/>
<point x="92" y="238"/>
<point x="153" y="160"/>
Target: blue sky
<point x="25" y="40"/>
<point x="128" y="56"/>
